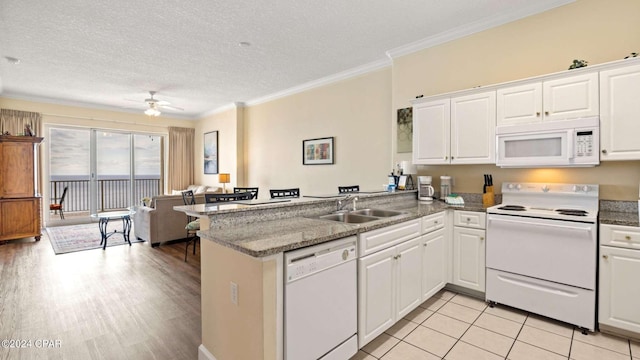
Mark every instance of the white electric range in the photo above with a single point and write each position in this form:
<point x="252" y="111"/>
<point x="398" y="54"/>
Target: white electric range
<point x="541" y="250"/>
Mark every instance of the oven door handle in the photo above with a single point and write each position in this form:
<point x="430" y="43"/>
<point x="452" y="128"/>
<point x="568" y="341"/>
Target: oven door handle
<point x="544" y="225"/>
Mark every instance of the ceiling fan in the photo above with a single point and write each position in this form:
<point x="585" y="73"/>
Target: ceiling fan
<point x="155" y="105"/>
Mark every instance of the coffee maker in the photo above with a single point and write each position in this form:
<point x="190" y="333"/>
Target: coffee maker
<point x="425" y="190"/>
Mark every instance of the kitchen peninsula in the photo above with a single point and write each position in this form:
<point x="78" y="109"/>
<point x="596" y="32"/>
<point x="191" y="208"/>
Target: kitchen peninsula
<point x="243" y="252"/>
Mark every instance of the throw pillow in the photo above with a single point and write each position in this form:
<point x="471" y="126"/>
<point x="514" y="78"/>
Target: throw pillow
<point x="194" y="225"/>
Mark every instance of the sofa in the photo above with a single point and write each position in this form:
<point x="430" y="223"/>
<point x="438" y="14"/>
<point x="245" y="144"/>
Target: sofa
<point x="159" y="222"/>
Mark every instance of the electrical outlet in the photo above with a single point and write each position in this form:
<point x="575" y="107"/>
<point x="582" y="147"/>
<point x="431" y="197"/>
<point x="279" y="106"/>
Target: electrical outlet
<point x="234" y="293"/>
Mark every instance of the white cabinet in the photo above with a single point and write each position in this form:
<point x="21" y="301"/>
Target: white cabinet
<point x="473" y="129"/>
<point x="563" y="98"/>
<point x="434" y="263"/>
<point x="458" y="130"/>
<point x="469" y="250"/>
<point x="389" y="287"/>
<point x="431" y="132"/>
<point x="435" y="254"/>
<point x="619" y="288"/>
<point x="619" y="113"/>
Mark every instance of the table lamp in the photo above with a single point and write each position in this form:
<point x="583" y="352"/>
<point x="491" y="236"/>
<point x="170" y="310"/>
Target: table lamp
<point x="224" y="178"/>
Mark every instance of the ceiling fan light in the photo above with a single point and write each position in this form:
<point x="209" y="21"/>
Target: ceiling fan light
<point x="152" y="112"/>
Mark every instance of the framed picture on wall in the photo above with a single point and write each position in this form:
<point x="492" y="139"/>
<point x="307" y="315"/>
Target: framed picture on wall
<point x="317" y="151"/>
<point x="211" y="152"/>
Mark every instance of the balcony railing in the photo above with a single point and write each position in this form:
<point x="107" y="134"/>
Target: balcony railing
<point x="113" y="194"/>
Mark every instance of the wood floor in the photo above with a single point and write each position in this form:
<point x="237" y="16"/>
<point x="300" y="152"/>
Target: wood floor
<point x="126" y="302"/>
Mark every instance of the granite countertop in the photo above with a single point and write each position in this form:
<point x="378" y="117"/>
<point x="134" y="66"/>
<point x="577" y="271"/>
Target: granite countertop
<point x="260" y="239"/>
<point x="619" y="218"/>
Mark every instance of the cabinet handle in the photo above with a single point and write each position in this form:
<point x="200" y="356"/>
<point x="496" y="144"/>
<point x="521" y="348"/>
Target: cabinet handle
<point x="399" y="256"/>
<point x="446" y="158"/>
<point x="627" y="237"/>
<point x="538" y="113"/>
<point x="546" y="113"/>
<point x="481" y="238"/>
<point x="605" y="256"/>
<point x="468" y="219"/>
<point x="435" y="222"/>
<point x="604" y="151"/>
<point x="425" y="244"/>
<point x="452" y="158"/>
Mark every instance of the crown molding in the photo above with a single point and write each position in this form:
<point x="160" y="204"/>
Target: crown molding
<point x="221" y="109"/>
<point x="477" y="26"/>
<point x="373" y="66"/>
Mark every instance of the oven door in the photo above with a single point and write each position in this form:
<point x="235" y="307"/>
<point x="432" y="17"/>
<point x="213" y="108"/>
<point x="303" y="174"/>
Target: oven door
<point x="554" y="250"/>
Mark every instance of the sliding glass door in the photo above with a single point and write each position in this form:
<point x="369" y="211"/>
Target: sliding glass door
<point x="103" y="170"/>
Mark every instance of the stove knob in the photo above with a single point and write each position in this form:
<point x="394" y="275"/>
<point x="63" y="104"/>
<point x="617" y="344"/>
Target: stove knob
<point x="545" y="188"/>
<point x="518" y="187"/>
<point x="585" y="188"/>
<point x="510" y="186"/>
<point x="575" y="188"/>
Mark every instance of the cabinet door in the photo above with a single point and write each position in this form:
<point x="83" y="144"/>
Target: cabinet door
<point x="19" y="218"/>
<point x="16" y="167"/>
<point x="619" y="289"/>
<point x="409" y="272"/>
<point x="520" y="104"/>
<point x="376" y="294"/>
<point x="619" y="89"/>
<point x="570" y="98"/>
<point x="434" y="264"/>
<point x="431" y="132"/>
<point x="469" y="258"/>
<point x="473" y="129"/>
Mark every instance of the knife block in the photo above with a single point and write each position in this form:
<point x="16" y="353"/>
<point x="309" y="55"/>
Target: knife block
<point x="488" y="198"/>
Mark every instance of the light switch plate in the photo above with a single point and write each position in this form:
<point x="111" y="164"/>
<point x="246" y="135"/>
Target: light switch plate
<point x="234" y="293"/>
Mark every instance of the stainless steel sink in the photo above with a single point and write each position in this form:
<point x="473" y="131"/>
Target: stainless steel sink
<point x="377" y="212"/>
<point x="349" y="218"/>
<point x="362" y="215"/>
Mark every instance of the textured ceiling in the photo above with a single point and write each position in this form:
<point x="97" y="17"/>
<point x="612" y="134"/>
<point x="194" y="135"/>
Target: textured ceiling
<point x="107" y="53"/>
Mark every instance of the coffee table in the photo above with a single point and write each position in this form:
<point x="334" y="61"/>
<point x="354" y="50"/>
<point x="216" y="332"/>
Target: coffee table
<point x="104" y="217"/>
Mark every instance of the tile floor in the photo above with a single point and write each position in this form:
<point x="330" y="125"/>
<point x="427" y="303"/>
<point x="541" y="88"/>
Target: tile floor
<point x="457" y="327"/>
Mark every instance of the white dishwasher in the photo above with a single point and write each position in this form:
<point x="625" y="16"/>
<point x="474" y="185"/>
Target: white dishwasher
<point x="320" y="302"/>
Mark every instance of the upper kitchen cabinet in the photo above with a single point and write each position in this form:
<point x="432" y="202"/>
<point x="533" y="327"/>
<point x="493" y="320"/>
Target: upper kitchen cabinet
<point x="620" y="113"/>
<point x="473" y="129"/>
<point x="431" y="132"/>
<point x="562" y="98"/>
<point x="456" y="130"/>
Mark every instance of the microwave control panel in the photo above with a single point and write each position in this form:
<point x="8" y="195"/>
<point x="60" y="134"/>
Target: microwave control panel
<point x="584" y="143"/>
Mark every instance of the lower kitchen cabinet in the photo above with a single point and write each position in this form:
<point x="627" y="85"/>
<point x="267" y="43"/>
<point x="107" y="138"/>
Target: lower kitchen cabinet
<point x="469" y="250"/>
<point x="434" y="263"/>
<point x="619" y="288"/>
<point x="389" y="287"/>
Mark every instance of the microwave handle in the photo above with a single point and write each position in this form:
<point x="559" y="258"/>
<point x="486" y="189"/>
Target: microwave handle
<point x="570" y="144"/>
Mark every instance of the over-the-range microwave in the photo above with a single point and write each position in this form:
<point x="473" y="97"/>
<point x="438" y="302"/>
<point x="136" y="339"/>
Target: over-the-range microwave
<point x="561" y="143"/>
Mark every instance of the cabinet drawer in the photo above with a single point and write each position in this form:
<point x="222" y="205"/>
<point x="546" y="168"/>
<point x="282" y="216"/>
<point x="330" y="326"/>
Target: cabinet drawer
<point x="620" y="236"/>
<point x="376" y="240"/>
<point x="470" y="219"/>
<point x="433" y="222"/>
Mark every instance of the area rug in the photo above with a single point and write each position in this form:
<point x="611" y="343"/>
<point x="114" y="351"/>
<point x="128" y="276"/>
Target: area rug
<point x="66" y="239"/>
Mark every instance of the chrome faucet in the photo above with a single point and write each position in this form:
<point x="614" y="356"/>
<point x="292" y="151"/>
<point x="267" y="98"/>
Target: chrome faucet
<point x="344" y="202"/>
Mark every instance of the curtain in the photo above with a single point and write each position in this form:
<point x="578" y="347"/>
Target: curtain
<point x="181" y="157"/>
<point x="14" y="122"/>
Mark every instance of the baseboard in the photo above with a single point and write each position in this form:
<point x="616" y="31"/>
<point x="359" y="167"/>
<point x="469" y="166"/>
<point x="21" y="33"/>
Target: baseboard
<point x="204" y="354"/>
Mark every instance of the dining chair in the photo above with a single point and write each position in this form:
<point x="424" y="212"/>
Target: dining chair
<point x="215" y="198"/>
<point x="193" y="224"/>
<point x="348" y="189"/>
<point x="252" y="190"/>
<point x="285" y="193"/>
<point x="58" y="206"/>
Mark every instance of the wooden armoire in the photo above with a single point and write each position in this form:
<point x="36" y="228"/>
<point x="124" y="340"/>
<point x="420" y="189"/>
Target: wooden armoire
<point x="20" y="199"/>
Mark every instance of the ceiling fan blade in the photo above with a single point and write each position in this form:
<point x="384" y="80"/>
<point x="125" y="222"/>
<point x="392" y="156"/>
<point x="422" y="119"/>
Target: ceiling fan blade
<point x="170" y="107"/>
